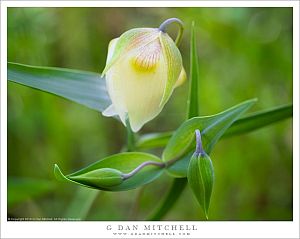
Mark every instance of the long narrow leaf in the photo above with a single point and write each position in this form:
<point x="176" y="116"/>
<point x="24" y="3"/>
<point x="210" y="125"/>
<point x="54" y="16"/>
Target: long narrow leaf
<point x="154" y="140"/>
<point x="243" y="125"/>
<point x="82" y="87"/>
<point x="193" y="100"/>
<point x="211" y="127"/>
<point x="260" y="119"/>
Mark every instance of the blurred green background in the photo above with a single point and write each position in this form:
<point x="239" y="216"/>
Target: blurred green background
<point x="244" y="53"/>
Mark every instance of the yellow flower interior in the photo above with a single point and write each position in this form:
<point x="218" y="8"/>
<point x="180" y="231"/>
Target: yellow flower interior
<point x="147" y="57"/>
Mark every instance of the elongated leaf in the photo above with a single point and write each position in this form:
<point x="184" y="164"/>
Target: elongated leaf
<point x="212" y="129"/>
<point x="125" y="163"/>
<point x="179" y="168"/>
<point x="153" y="140"/>
<point x="260" y="119"/>
<point x="22" y="189"/>
<point x="243" y="125"/>
<point x="193" y="101"/>
<point x="82" y="87"/>
<point x="201" y="178"/>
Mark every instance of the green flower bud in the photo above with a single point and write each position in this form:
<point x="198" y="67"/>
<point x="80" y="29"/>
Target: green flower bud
<point x="201" y="175"/>
<point x="142" y="69"/>
<point x="103" y="177"/>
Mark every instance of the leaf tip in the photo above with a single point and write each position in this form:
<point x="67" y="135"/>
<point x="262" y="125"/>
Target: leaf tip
<point x="206" y="215"/>
<point x="58" y="174"/>
<point x="254" y="100"/>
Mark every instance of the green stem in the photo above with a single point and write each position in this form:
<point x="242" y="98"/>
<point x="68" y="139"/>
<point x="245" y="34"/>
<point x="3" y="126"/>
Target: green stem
<point x="141" y="166"/>
<point x="130" y="136"/>
<point x="171" y="198"/>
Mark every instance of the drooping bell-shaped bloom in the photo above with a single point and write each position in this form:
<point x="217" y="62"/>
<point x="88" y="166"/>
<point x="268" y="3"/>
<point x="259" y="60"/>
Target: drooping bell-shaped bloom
<point x="142" y="69"/>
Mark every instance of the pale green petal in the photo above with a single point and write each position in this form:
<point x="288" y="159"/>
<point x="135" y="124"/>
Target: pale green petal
<point x="181" y="79"/>
<point x="137" y="87"/>
<point x="111" y="49"/>
<point x="130" y="40"/>
<point x="173" y="64"/>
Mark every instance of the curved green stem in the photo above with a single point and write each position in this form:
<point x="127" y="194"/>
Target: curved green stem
<point x="167" y="22"/>
<point x="141" y="166"/>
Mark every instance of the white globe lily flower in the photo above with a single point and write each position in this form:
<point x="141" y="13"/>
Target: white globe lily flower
<point x="142" y="69"/>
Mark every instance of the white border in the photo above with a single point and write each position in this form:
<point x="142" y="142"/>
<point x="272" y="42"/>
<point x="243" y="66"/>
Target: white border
<point x="98" y="229"/>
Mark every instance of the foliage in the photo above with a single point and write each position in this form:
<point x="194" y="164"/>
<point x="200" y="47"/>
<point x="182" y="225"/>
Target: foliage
<point x="124" y="163"/>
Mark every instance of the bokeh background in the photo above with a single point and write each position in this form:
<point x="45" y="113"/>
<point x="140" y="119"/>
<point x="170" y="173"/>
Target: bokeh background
<point x="244" y="53"/>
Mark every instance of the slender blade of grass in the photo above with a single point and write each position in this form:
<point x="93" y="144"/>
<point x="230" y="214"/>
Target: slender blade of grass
<point x="193" y="100"/>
